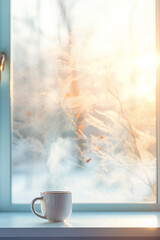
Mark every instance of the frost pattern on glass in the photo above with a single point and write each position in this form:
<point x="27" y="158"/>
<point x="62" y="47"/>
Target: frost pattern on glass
<point x="83" y="99"/>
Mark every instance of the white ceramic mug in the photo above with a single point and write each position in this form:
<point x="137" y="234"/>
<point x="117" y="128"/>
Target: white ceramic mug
<point x="56" y="206"/>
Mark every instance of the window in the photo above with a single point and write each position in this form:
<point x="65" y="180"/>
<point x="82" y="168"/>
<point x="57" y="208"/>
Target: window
<point x="83" y="102"/>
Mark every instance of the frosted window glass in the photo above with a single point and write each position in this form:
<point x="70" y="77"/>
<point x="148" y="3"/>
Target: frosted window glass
<point x="84" y="99"/>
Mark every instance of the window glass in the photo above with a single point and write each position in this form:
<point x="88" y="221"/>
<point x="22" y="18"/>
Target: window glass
<point x="84" y="99"/>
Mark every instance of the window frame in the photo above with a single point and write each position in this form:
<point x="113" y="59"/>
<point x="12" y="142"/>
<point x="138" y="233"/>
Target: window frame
<point x="5" y="129"/>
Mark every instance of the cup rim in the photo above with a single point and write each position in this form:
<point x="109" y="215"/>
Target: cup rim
<point x="56" y="192"/>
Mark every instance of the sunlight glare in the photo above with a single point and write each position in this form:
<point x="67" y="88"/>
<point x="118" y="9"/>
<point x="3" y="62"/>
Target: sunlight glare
<point x="147" y="62"/>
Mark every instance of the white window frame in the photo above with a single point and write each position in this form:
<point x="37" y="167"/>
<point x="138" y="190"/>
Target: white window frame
<point x="5" y="129"/>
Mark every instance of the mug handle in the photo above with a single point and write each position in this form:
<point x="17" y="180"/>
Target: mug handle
<point x="32" y="207"/>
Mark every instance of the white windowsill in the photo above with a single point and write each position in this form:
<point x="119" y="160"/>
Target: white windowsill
<point x="84" y="224"/>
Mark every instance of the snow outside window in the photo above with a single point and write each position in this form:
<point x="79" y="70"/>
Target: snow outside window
<point x="84" y="100"/>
